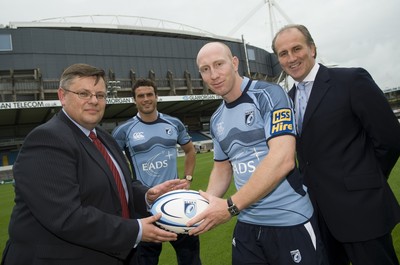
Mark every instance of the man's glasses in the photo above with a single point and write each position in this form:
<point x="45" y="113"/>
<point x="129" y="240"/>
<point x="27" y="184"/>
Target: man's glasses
<point x="87" y="95"/>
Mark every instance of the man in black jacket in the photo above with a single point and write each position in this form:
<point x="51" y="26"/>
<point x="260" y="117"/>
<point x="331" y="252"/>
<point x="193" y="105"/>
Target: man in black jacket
<point x="348" y="142"/>
<point x="68" y="208"/>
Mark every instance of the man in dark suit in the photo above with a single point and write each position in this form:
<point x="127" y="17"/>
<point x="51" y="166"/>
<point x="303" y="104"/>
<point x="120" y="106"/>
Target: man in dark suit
<point x="68" y="209"/>
<point x="348" y="142"/>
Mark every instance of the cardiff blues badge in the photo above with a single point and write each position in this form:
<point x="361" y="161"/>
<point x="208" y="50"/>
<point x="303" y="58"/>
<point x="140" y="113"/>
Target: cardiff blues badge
<point x="296" y="256"/>
<point x="168" y="131"/>
<point x="249" y="117"/>
<point x="190" y="209"/>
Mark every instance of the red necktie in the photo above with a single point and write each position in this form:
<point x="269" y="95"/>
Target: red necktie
<point x="121" y="191"/>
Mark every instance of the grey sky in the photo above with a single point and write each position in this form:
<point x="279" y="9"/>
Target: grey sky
<point x="362" y="33"/>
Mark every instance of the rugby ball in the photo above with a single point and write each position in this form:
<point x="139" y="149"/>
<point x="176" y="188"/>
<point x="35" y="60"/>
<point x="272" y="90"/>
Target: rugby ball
<point x="177" y="208"/>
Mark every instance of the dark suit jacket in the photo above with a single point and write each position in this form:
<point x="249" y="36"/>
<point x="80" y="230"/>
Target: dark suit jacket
<point x="349" y="143"/>
<point x="67" y="208"/>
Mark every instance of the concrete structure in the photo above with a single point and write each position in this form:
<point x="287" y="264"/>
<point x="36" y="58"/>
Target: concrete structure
<point x="33" y="56"/>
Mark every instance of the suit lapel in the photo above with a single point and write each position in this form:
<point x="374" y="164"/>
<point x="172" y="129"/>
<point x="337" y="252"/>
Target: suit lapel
<point x="292" y="93"/>
<point x="99" y="159"/>
<point x="319" y="89"/>
<point x="120" y="160"/>
<point x="95" y="154"/>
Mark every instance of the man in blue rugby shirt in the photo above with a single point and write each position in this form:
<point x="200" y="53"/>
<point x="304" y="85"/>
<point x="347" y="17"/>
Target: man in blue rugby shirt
<point x="149" y="140"/>
<point x="254" y="133"/>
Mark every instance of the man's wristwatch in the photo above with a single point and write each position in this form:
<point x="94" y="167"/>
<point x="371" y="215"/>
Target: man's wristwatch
<point x="232" y="208"/>
<point x="189" y="178"/>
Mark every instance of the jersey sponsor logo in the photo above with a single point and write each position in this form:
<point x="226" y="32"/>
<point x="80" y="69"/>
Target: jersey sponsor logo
<point x="250" y="158"/>
<point x="296" y="255"/>
<point x="281" y="121"/>
<point x="154" y="165"/>
<point x="242" y="168"/>
<point x="249" y="117"/>
<point x="138" y="136"/>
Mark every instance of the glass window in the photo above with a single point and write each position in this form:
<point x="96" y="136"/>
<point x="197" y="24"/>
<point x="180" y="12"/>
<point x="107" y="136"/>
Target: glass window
<point x="251" y="54"/>
<point x="5" y="42"/>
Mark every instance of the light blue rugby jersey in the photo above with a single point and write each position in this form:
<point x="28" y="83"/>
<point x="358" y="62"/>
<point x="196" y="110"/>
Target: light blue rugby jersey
<point x="240" y="132"/>
<point x="152" y="146"/>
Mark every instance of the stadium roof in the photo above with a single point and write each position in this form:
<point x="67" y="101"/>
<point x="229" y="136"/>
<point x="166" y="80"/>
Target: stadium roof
<point x="41" y="49"/>
<point x="118" y="23"/>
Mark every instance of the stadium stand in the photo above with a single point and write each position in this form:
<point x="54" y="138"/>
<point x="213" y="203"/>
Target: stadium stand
<point x="34" y="54"/>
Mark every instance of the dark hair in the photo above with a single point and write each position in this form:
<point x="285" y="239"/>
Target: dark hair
<point x="302" y="29"/>
<point x="80" y="70"/>
<point x="144" y="82"/>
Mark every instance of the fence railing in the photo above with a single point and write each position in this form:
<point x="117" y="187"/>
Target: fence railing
<point x="26" y="90"/>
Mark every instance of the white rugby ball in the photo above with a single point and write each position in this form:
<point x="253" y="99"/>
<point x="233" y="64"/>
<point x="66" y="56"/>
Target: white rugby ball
<point x="177" y="208"/>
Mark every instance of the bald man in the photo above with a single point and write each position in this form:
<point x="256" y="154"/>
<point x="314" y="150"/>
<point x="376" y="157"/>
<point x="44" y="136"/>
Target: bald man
<point x="254" y="133"/>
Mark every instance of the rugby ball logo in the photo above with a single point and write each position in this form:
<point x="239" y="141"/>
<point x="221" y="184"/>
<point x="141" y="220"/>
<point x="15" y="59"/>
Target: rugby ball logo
<point x="190" y="208"/>
<point x="177" y="208"/>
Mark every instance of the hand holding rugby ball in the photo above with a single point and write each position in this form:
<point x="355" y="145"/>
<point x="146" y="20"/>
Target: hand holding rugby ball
<point x="177" y="208"/>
